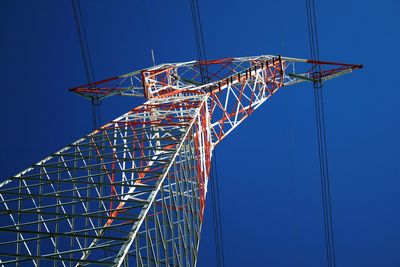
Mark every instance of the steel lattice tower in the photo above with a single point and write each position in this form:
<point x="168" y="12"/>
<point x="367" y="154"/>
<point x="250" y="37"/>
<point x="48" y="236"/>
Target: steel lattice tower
<point x="133" y="191"/>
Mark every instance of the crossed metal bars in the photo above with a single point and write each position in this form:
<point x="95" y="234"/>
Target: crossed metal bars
<point x="133" y="192"/>
<point x="144" y="172"/>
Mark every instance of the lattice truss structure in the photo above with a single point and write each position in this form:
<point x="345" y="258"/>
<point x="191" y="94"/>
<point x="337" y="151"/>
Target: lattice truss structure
<point x="132" y="193"/>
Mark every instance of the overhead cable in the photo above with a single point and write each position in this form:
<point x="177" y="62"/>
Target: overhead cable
<point x="203" y="70"/>
<point x="321" y="133"/>
<point x="87" y="60"/>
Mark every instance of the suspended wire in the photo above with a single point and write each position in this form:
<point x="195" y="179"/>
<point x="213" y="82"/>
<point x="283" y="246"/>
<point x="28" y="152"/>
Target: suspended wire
<point x="321" y="133"/>
<point x="217" y="212"/>
<point x="87" y="60"/>
<point x="281" y="31"/>
<point x="199" y="39"/>
<point x="216" y="208"/>
<point x="88" y="67"/>
<point x="147" y="32"/>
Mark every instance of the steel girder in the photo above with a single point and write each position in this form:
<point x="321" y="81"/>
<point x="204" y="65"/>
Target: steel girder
<point x="133" y="191"/>
<point x="237" y="86"/>
<point x="133" y="188"/>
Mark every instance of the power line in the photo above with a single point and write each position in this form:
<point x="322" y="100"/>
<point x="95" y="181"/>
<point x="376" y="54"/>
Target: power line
<point x="87" y="60"/>
<point x="321" y="133"/>
<point x="148" y="32"/>
<point x="216" y="208"/>
<point x="217" y="212"/>
<point x="280" y="26"/>
<point x="199" y="39"/>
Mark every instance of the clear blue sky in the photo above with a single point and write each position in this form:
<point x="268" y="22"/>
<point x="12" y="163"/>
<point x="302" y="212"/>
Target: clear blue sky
<point x="268" y="168"/>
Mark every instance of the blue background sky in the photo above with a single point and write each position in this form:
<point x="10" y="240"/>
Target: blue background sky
<point x="268" y="167"/>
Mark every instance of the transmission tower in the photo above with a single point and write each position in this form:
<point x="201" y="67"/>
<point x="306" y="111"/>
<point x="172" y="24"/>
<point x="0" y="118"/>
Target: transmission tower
<point x="132" y="192"/>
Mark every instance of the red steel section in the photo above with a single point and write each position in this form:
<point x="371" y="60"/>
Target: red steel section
<point x="161" y="81"/>
<point x="324" y="73"/>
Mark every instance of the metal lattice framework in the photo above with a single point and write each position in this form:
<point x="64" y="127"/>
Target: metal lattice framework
<point x="133" y="191"/>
